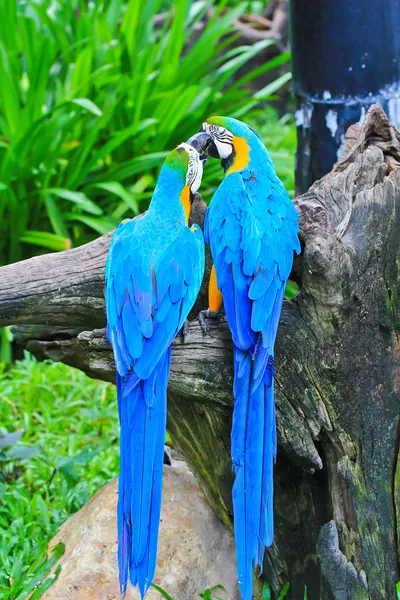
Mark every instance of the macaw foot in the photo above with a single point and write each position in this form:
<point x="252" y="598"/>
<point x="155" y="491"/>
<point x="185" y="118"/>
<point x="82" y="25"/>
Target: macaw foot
<point x="184" y="330"/>
<point x="208" y="314"/>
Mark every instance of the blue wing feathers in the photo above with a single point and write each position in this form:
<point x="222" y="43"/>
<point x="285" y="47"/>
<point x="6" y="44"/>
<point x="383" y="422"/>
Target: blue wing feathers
<point x="163" y="308"/>
<point x="176" y="287"/>
<point x="152" y="280"/>
<point x="252" y="227"/>
<point x="123" y="352"/>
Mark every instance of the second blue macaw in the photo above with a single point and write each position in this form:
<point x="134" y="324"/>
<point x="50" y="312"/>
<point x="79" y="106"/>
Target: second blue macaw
<point x="252" y="228"/>
<point x="154" y="271"/>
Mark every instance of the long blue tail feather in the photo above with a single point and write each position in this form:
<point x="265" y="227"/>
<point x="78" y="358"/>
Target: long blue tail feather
<point x="266" y="530"/>
<point x="253" y="441"/>
<point x="142" y="411"/>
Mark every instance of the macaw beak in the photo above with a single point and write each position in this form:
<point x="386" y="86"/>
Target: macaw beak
<point x="211" y="148"/>
<point x="200" y="142"/>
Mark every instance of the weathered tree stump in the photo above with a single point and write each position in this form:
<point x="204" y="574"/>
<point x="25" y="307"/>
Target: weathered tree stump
<point x="337" y="478"/>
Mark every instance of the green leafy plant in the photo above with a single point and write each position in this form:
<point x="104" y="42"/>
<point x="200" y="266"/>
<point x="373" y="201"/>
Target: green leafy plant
<point x="72" y="423"/>
<point x="291" y="289"/>
<point x="40" y="570"/>
<point x="284" y="591"/>
<point x="12" y="454"/>
<point x="208" y="594"/>
<point x="398" y="590"/>
<point x="163" y="593"/>
<point x="266" y="593"/>
<point x="92" y="95"/>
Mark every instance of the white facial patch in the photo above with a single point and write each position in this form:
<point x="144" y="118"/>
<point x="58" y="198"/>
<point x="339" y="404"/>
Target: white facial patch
<point x="222" y="138"/>
<point x="195" y="167"/>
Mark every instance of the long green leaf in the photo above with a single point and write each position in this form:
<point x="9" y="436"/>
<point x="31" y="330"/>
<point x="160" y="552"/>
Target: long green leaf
<point x="161" y="591"/>
<point x="78" y="198"/>
<point x="284" y="591"/>
<point x="42" y="572"/>
<point x="266" y="591"/>
<point x="101" y="225"/>
<point x="264" y="94"/>
<point x="137" y="165"/>
<point x="173" y="50"/>
<point x="9" y="97"/>
<point x="55" y="216"/>
<point x="46" y="584"/>
<point x="87" y="105"/>
<point x="272" y="87"/>
<point x="116" y="188"/>
<point x="45" y="240"/>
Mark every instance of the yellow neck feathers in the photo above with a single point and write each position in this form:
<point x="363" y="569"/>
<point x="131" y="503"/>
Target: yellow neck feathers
<point x="241" y="160"/>
<point x="242" y="150"/>
<point x="185" y="200"/>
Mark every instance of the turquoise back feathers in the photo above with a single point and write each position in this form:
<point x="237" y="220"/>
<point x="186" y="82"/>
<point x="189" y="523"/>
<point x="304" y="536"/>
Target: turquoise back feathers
<point x="153" y="274"/>
<point x="252" y="228"/>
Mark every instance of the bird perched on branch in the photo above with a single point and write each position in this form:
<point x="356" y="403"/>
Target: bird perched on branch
<point x="252" y="228"/>
<point x="154" y="271"/>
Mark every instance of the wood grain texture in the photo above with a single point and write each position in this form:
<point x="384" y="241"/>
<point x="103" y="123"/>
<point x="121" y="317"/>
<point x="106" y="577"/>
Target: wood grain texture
<point x="337" y="477"/>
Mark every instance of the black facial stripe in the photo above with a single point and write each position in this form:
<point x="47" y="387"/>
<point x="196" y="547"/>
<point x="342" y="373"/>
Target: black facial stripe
<point x="225" y="135"/>
<point x="219" y="133"/>
<point x="192" y="171"/>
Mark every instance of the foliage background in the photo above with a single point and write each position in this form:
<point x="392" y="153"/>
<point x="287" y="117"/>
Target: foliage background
<point x="92" y="96"/>
<point x="69" y="450"/>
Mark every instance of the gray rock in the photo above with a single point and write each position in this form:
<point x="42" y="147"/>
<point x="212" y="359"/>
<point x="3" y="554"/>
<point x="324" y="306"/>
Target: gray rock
<point x="196" y="550"/>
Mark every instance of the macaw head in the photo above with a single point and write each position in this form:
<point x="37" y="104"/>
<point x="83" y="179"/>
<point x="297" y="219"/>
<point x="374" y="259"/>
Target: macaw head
<point x="232" y="141"/>
<point x="182" y="172"/>
<point x="187" y="161"/>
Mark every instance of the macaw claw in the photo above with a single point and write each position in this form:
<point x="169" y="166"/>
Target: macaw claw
<point x="208" y="314"/>
<point x="184" y="331"/>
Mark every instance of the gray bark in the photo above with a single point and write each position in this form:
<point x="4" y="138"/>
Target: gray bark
<point x="337" y="480"/>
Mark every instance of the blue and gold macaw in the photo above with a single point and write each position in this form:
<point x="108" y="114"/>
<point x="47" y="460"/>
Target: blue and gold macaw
<point x="252" y="228"/>
<point x="154" y="271"/>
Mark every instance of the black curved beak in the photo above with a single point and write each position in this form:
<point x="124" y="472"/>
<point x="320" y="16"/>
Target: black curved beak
<point x="212" y="150"/>
<point x="200" y="142"/>
<point x="211" y="147"/>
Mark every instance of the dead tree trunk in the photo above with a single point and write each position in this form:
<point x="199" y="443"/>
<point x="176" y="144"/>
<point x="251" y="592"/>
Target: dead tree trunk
<point x="337" y="477"/>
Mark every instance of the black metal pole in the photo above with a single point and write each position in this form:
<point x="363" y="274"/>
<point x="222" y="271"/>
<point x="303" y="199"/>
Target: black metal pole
<point x="345" y="57"/>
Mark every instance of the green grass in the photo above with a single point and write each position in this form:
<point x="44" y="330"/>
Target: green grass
<point x="71" y="421"/>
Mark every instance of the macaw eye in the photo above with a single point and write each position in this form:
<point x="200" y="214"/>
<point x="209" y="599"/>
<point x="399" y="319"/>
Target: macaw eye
<point x="222" y="138"/>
